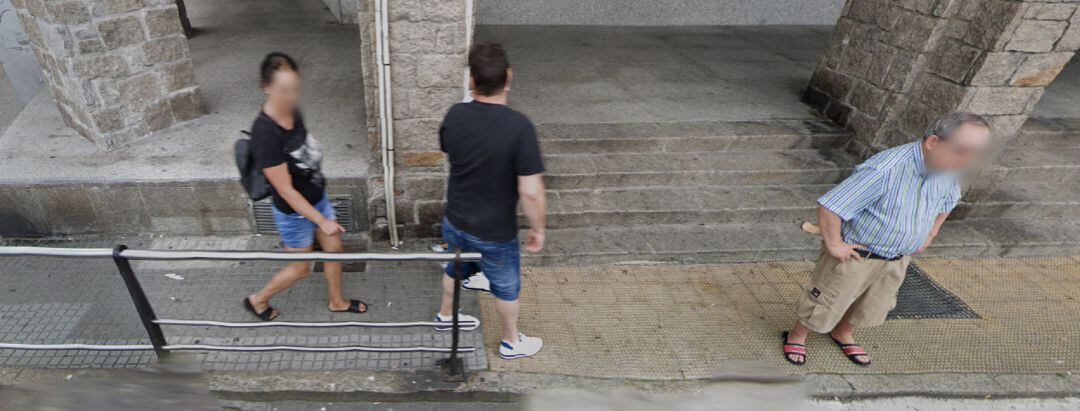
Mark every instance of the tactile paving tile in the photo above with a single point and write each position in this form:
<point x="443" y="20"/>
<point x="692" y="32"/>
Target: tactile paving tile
<point x="675" y="321"/>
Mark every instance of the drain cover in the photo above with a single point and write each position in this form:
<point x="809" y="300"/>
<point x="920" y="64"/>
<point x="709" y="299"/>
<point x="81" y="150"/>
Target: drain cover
<point x="263" y="213"/>
<point x="920" y="298"/>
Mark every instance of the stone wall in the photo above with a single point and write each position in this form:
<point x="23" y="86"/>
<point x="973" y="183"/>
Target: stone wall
<point x="895" y="66"/>
<point x="118" y="69"/>
<point x="427" y="47"/>
<point x="657" y="13"/>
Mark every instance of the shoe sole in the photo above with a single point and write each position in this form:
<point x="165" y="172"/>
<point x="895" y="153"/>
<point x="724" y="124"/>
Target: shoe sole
<point x="463" y="328"/>
<point x="515" y="357"/>
<point x="483" y="290"/>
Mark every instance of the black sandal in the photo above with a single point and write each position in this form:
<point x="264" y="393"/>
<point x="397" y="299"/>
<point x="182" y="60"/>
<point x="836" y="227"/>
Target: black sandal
<point x="269" y="314"/>
<point x="793" y="349"/>
<point x="354" y="307"/>
<point x="853" y="351"/>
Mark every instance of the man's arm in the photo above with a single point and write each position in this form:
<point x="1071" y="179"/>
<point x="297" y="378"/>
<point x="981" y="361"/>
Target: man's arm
<point x="934" y="231"/>
<point x="834" y="242"/>
<point x="534" y="205"/>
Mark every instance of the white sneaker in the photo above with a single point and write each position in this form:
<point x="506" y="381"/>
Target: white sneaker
<point x="439" y="248"/>
<point x="478" y="282"/>
<point x="465" y="321"/>
<point x="525" y="347"/>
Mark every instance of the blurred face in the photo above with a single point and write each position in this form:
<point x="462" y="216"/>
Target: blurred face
<point x="960" y="152"/>
<point x="284" y="90"/>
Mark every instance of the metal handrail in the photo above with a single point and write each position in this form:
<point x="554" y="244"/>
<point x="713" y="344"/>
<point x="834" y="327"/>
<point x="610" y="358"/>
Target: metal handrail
<point x="121" y="255"/>
<point x="173" y="255"/>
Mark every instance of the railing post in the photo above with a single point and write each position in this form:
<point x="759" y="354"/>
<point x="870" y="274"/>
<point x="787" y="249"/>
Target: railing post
<point x="454" y="367"/>
<point x="142" y="304"/>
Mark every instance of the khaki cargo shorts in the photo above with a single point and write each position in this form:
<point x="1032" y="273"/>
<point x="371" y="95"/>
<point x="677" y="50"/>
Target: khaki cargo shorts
<point x="859" y="292"/>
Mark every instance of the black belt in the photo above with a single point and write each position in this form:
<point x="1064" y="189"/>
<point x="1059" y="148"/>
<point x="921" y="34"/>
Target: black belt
<point x="869" y="254"/>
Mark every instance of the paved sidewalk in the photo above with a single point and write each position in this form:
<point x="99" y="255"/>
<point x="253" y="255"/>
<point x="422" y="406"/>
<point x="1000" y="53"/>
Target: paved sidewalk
<point x="49" y="300"/>
<point x="680" y="322"/>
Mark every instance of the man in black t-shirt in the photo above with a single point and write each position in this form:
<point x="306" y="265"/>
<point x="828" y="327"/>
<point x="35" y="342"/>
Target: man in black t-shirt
<point x="494" y="160"/>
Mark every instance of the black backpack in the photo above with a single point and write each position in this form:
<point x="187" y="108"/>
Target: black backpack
<point x="251" y="177"/>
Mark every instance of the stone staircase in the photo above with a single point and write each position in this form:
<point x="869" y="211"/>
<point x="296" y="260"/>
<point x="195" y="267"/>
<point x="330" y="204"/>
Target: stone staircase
<point x="700" y="192"/>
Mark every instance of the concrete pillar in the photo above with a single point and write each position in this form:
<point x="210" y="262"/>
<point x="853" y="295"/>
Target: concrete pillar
<point x="118" y="69"/>
<point x="428" y="49"/>
<point x="894" y="66"/>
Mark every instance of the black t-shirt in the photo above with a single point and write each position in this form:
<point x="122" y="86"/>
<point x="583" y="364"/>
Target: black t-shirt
<point x="489" y="146"/>
<point x="273" y="145"/>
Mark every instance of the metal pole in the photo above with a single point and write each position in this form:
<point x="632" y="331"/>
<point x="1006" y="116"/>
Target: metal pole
<point x="142" y="304"/>
<point x="454" y="367"/>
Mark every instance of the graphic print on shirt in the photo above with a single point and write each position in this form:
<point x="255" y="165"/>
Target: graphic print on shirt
<point x="309" y="158"/>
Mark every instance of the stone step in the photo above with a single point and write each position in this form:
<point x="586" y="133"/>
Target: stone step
<point x="696" y="136"/>
<point x="696" y="169"/>
<point x="727" y="243"/>
<point x="1042" y="132"/>
<point x="1027" y="200"/>
<point x="1050" y="165"/>
<point x="613" y="207"/>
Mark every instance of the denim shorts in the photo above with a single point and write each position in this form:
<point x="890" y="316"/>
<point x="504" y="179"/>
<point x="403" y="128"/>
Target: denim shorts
<point x="296" y="230"/>
<point x="500" y="262"/>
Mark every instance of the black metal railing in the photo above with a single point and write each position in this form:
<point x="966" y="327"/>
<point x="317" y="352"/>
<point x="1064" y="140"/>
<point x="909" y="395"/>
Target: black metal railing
<point x="453" y="366"/>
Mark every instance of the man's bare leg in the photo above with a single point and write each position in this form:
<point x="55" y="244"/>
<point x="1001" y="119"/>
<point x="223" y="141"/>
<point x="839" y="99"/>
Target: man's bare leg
<point x="508" y="317"/>
<point x="845" y="333"/>
<point x="332" y="271"/>
<point x="798" y="335"/>
<point x="281" y="281"/>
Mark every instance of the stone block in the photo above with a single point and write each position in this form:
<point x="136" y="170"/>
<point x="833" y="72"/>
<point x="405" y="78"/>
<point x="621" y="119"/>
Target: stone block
<point x="410" y="37"/>
<point x="108" y="120"/>
<point x="121" y="31"/>
<point x="21" y="212"/>
<point x="440" y="70"/>
<point x="417" y="134"/>
<point x="178" y="76"/>
<point x="1002" y="100"/>
<point x="1050" y="11"/>
<point x="1070" y="41"/>
<point x="403" y="70"/>
<point x="1036" y="36"/>
<point x="450" y="38"/>
<point x="912" y="31"/>
<point x="867" y="98"/>
<point x="68" y="210"/>
<point x="995" y="69"/>
<point x="942" y="94"/>
<point x="118" y="209"/>
<point x="832" y="83"/>
<point x="93" y="45"/>
<point x="430" y="212"/>
<point x="425" y="187"/>
<point x="990" y="21"/>
<point x="164" y="50"/>
<point x="423" y="158"/>
<point x="408" y="10"/>
<point x="900" y="70"/>
<point x="186" y="106"/>
<point x="443" y="10"/>
<point x="104" y="65"/>
<point x="163" y="22"/>
<point x="155" y="117"/>
<point x="1040" y="69"/>
<point x="139" y="90"/>
<point x="955" y="59"/>
<point x="427" y="102"/>
<point x="68" y="12"/>
<point x="104" y="7"/>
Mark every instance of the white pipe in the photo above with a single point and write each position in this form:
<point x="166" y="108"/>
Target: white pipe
<point x="468" y="45"/>
<point x="239" y="348"/>
<point x="386" y="114"/>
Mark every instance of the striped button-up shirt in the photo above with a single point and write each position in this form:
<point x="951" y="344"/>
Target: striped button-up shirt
<point x="890" y="202"/>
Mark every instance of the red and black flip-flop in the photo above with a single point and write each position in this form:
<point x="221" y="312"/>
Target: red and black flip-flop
<point x="853" y="351"/>
<point x="793" y="349"/>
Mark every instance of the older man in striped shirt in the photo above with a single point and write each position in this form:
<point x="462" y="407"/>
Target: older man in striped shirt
<point x="891" y="207"/>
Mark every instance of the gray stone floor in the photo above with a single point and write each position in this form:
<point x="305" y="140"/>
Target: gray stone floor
<point x="232" y="38"/>
<point x="582" y="74"/>
<point x="50" y="301"/>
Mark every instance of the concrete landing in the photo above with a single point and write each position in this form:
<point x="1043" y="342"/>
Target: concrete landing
<point x="583" y="74"/>
<point x="183" y="180"/>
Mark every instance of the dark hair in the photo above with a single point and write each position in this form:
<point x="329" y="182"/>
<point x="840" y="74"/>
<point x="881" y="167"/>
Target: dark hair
<point x="273" y="63"/>
<point x="487" y="66"/>
<point x="947" y="124"/>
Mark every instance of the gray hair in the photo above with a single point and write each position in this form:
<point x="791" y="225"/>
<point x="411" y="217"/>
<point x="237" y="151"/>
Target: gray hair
<point x="946" y="125"/>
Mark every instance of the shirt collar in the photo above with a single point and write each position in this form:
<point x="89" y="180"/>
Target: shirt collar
<point x="920" y="162"/>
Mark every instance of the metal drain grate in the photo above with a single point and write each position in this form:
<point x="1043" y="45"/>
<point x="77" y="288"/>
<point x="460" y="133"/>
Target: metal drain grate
<point x="263" y="213"/>
<point x="921" y="298"/>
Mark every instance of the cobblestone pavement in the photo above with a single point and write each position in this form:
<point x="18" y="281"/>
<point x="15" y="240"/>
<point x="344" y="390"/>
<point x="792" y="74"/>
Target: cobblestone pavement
<point x="51" y="301"/>
<point x="680" y="321"/>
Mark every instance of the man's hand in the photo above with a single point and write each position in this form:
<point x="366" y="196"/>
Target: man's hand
<point x="534" y="240"/>
<point x="929" y="240"/>
<point x="330" y="227"/>
<point x="843" y="251"/>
